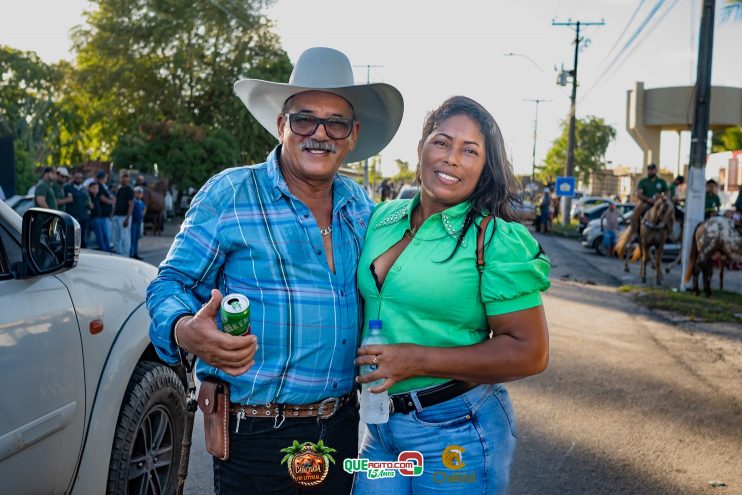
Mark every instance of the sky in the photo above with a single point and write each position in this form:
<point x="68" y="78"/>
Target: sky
<point x="434" y="49"/>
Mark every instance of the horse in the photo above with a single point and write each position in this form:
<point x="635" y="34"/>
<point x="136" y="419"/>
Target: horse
<point x="154" y="198"/>
<point x="715" y="235"/>
<point x="655" y="227"/>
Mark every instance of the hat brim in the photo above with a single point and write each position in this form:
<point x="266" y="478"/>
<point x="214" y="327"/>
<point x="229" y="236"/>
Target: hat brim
<point x="379" y="108"/>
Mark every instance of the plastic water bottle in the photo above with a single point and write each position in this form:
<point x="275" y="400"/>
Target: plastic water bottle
<point x="374" y="407"/>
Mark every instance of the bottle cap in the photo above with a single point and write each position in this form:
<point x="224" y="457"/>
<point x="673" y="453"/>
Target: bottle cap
<point x="374" y="324"/>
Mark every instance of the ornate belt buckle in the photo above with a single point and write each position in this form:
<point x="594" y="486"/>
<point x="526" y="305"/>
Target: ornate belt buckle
<point x="321" y="409"/>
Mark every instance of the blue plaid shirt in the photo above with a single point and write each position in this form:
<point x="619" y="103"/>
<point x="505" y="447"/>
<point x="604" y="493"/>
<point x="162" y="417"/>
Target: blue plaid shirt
<point x="246" y="233"/>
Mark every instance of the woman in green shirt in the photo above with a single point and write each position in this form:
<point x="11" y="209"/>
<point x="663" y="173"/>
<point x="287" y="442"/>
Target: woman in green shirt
<point x="454" y="334"/>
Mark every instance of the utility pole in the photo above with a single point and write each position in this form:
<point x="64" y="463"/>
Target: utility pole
<point x="365" y="162"/>
<point x="535" y="135"/>
<point x="695" y="192"/>
<point x="570" y="166"/>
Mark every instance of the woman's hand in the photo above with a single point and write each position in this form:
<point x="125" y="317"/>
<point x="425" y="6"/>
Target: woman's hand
<point x="395" y="363"/>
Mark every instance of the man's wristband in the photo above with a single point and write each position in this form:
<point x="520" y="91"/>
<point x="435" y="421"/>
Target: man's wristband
<point x="178" y="322"/>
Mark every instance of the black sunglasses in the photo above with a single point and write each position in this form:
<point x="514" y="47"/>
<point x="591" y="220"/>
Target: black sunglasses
<point x="306" y="125"/>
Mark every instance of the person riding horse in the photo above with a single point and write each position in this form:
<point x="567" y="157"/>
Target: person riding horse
<point x="648" y="189"/>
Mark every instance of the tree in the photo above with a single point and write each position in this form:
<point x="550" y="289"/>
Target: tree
<point x="405" y="175"/>
<point x="185" y="153"/>
<point x="28" y="111"/>
<point x="147" y="62"/>
<point x="592" y="137"/>
<point x="729" y="139"/>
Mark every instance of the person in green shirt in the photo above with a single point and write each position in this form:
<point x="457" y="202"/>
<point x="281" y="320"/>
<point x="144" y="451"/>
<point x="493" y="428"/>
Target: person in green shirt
<point x="44" y="195"/>
<point x="62" y="176"/>
<point x="712" y="202"/>
<point x="455" y="333"/>
<point x="647" y="190"/>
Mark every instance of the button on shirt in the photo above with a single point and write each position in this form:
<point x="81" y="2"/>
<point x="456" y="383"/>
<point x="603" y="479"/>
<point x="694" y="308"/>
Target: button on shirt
<point x="429" y="300"/>
<point x="246" y="233"/>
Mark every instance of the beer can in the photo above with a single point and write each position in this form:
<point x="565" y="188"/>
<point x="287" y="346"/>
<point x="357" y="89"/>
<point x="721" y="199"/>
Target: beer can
<point x="235" y="310"/>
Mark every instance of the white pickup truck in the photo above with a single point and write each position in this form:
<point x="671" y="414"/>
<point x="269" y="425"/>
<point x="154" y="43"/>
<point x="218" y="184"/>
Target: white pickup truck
<point x="87" y="406"/>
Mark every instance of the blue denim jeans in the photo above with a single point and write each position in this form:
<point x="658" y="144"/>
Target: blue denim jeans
<point x="475" y="432"/>
<point x="101" y="234"/>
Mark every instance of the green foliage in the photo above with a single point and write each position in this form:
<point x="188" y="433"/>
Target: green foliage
<point x="147" y="62"/>
<point x="28" y="111"/>
<point x="592" y="137"/>
<point x="405" y="175"/>
<point x="729" y="139"/>
<point x="185" y="153"/>
<point x="24" y="168"/>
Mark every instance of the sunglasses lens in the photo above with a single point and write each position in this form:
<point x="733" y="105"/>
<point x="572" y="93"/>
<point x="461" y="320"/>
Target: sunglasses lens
<point x="338" y="128"/>
<point x="306" y="125"/>
<point x="303" y="125"/>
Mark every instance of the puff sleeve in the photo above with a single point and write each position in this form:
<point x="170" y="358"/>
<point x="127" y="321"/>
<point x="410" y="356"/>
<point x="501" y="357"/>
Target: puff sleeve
<point x="516" y="269"/>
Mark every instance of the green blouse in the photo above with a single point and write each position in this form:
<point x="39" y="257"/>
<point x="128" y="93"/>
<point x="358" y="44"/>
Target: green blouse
<point x="431" y="302"/>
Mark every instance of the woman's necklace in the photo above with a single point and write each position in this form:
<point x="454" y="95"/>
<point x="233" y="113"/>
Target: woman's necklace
<point x="413" y="228"/>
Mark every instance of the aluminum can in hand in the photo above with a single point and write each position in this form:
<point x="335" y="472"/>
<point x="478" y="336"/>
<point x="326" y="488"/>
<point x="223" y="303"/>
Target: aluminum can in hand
<point x="235" y="311"/>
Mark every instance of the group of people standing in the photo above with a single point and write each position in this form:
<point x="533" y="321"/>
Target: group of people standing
<point x="115" y="218"/>
<point x="318" y="261"/>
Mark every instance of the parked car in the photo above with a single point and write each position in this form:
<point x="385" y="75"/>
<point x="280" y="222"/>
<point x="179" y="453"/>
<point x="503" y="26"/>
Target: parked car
<point x="20" y="203"/>
<point x="87" y="405"/>
<point x="592" y="237"/>
<point x="407" y="192"/>
<point x="525" y="211"/>
<point x="587" y="202"/>
<point x="597" y="210"/>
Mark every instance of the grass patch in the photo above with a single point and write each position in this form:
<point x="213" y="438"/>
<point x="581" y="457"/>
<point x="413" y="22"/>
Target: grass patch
<point x="721" y="307"/>
<point x="568" y="231"/>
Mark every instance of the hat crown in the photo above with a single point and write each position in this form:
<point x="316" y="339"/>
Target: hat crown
<point x="322" y="67"/>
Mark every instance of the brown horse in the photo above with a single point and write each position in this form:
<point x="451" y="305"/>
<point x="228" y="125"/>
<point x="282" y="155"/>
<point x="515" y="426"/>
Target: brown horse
<point x="154" y="198"/>
<point x="655" y="227"/>
<point x="715" y="235"/>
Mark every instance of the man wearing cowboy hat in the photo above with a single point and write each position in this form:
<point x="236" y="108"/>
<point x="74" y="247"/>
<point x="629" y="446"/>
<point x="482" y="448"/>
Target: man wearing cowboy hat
<point x="287" y="234"/>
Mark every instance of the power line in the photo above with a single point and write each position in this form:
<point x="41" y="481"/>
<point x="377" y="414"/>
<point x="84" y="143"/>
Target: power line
<point x="625" y="28"/>
<point x="611" y="67"/>
<point x="631" y="39"/>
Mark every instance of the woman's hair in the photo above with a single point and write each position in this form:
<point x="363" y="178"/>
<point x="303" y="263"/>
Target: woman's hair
<point x="495" y="191"/>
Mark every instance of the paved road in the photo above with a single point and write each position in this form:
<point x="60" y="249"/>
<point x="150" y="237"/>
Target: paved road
<point x="631" y="403"/>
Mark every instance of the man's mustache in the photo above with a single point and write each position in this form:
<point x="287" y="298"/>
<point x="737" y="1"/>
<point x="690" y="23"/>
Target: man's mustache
<point x="318" y="145"/>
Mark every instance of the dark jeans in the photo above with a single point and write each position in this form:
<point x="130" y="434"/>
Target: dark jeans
<point x="83" y="232"/>
<point x="254" y="464"/>
<point x="136" y="234"/>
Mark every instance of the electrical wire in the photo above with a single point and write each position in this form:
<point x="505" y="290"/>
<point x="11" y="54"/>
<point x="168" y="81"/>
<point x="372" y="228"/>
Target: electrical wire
<point x="612" y="68"/>
<point x="625" y="28"/>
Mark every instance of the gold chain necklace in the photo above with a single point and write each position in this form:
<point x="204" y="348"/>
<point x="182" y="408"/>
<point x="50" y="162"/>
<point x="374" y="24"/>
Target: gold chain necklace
<point x="413" y="229"/>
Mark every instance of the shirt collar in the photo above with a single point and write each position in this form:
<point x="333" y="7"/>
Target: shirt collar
<point x="452" y="219"/>
<point x="341" y="191"/>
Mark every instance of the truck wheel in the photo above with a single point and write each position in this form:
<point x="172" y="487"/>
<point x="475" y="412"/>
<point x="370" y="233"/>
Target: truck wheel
<point x="149" y="432"/>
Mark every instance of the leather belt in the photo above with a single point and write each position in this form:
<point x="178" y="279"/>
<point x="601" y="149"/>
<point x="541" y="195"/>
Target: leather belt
<point x="403" y="403"/>
<point x="323" y="409"/>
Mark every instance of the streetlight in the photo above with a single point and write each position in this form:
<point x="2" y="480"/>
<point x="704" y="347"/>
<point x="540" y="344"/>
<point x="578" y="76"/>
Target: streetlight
<point x="511" y="54"/>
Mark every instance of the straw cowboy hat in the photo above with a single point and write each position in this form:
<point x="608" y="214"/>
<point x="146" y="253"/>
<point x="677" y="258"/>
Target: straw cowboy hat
<point x="378" y="107"/>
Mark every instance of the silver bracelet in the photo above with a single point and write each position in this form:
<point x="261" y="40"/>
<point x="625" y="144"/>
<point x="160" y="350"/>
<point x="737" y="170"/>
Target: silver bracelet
<point x="177" y="324"/>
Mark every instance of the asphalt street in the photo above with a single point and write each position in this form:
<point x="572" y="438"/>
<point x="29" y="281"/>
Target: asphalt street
<point x="633" y="402"/>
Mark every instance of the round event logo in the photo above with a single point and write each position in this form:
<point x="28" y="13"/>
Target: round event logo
<point x="308" y="463"/>
<point x="453" y="457"/>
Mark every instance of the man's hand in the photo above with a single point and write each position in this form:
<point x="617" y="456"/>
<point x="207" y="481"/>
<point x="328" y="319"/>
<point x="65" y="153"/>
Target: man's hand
<point x="126" y="224"/>
<point x="199" y="335"/>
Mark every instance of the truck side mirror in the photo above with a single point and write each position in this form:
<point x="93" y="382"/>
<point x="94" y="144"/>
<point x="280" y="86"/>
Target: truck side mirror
<point x="50" y="241"/>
